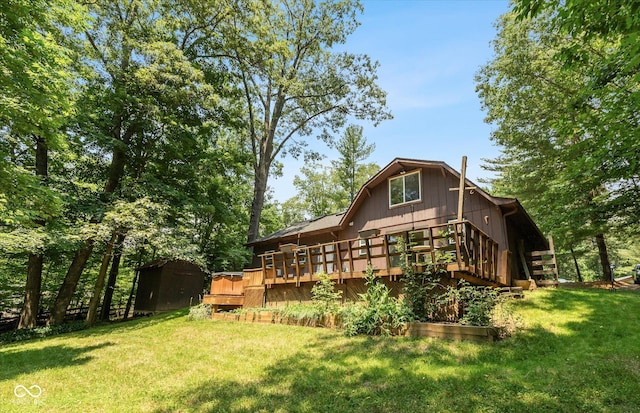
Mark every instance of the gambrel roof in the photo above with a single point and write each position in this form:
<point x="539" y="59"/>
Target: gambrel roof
<point x="333" y="222"/>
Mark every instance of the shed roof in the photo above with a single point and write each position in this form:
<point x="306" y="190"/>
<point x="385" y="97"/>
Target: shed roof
<point x="161" y="262"/>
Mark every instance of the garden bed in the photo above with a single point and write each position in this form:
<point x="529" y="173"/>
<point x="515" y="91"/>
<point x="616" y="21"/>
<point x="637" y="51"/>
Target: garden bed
<point x="450" y="331"/>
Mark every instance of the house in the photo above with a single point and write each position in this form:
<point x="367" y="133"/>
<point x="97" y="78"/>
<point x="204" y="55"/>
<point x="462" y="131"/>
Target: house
<point x="483" y="239"/>
<point x="166" y="285"/>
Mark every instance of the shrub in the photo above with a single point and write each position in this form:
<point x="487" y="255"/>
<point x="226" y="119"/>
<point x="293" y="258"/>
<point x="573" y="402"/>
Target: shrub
<point x="324" y="296"/>
<point x="478" y="303"/>
<point x="200" y="312"/>
<point x="299" y="312"/>
<point x="378" y="313"/>
<point x="419" y="287"/>
<point x="40" y="332"/>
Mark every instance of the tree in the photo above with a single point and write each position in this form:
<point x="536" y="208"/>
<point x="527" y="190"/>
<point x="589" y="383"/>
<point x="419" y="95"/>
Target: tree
<point x="294" y="81"/>
<point x="144" y="104"/>
<point x="603" y="40"/>
<point x="354" y="150"/>
<point x="318" y="192"/>
<point x="36" y="83"/>
<point x="564" y="159"/>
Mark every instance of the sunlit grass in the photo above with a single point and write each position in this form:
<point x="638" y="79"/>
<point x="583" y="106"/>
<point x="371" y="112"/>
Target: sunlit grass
<point x="578" y="351"/>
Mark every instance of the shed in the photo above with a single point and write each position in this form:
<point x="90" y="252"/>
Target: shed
<point x="168" y="284"/>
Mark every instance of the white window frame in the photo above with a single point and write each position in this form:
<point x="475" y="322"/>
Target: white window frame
<point x="301" y="254"/>
<point x="362" y="247"/>
<point x="403" y="177"/>
<point x="268" y="260"/>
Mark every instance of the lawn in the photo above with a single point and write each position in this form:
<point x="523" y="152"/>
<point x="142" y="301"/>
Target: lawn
<point x="578" y="350"/>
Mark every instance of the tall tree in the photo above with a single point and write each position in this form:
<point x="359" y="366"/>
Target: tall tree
<point x="350" y="167"/>
<point x="36" y="98"/>
<point x="143" y="100"/>
<point x="602" y="41"/>
<point x="319" y="193"/>
<point x="566" y="158"/>
<point x="294" y="82"/>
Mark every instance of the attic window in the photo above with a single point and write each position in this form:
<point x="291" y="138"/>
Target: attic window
<point x="404" y="189"/>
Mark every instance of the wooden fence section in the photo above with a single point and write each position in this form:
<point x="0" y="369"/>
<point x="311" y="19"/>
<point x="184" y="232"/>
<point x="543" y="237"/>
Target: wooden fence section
<point x="544" y="265"/>
<point x="72" y="314"/>
<point x="458" y="246"/>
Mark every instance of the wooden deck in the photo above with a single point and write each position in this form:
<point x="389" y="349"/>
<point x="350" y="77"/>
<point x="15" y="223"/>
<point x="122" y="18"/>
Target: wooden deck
<point x="460" y="247"/>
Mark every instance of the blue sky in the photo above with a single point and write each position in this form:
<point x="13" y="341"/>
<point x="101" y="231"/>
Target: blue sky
<point x="429" y="52"/>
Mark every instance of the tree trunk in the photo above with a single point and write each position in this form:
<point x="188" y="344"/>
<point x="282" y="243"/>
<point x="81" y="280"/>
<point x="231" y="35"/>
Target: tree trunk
<point x="33" y="285"/>
<point x="29" y="313"/>
<point x="259" y="189"/>
<point x="94" y="303"/>
<point x="131" y="294"/>
<point x="575" y="263"/>
<point x="604" y="258"/>
<point x="68" y="288"/>
<point x="113" y="276"/>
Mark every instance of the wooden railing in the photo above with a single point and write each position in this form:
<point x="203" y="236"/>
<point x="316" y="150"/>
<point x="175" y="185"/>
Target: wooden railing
<point x="459" y="246"/>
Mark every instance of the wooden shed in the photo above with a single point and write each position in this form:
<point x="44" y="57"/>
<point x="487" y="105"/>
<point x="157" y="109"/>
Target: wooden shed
<point x="166" y="284"/>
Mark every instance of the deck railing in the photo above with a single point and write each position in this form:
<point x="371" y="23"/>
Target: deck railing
<point x="459" y="246"/>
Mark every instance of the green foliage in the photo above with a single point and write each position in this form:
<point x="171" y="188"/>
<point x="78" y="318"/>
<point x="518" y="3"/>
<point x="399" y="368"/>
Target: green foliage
<point x="350" y="168"/>
<point x="324" y="295"/>
<point x="200" y="312"/>
<point x="418" y="286"/>
<point x="478" y="302"/>
<point x="40" y="332"/>
<point x="582" y="141"/>
<point x="311" y="313"/>
<point x="378" y="314"/>
<point x="318" y="192"/>
<point x="323" y="190"/>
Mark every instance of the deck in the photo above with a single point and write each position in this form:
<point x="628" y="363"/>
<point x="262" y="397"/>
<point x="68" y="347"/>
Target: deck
<point x="460" y="247"/>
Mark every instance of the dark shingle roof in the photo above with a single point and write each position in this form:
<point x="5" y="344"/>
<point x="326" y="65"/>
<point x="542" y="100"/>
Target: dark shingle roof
<point x="304" y="227"/>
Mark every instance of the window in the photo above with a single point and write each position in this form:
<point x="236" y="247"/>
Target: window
<point x="404" y="188"/>
<point x="302" y="254"/>
<point x="329" y="249"/>
<point x="363" y="245"/>
<point x="268" y="258"/>
<point x="394" y="255"/>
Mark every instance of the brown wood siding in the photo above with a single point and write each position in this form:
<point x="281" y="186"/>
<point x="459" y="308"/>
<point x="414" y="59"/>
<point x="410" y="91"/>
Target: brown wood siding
<point x="437" y="206"/>
<point x="174" y="285"/>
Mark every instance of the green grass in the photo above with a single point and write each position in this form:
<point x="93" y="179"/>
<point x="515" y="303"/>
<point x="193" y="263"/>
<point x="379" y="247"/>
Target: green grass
<point x="579" y="351"/>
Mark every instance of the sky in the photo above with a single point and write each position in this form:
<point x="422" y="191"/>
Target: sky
<point x="429" y="52"/>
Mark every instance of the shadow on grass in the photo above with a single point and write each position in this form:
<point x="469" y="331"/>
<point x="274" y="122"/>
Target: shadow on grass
<point x="17" y="360"/>
<point x="586" y="365"/>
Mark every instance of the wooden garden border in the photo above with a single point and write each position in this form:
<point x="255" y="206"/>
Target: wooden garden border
<point x="449" y="331"/>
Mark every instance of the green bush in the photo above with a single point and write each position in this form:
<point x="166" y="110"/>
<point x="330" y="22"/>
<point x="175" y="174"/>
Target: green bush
<point x="200" y="312"/>
<point x="301" y="312"/>
<point x="378" y="313"/>
<point x="40" y="332"/>
<point x="419" y="287"/>
<point x="324" y="296"/>
<point x="478" y="303"/>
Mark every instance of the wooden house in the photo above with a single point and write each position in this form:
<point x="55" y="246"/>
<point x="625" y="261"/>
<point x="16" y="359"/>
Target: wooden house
<point x="165" y="285"/>
<point x="447" y="219"/>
